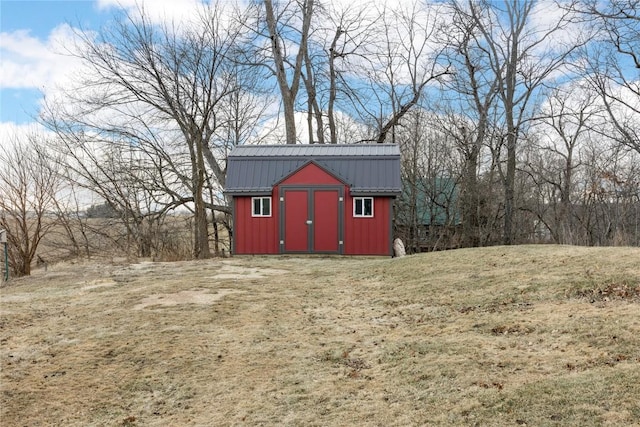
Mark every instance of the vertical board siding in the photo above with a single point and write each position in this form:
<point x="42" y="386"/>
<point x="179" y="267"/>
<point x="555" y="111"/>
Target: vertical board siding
<point x="361" y="236"/>
<point x="368" y="236"/>
<point x="255" y="235"/>
<point x="311" y="174"/>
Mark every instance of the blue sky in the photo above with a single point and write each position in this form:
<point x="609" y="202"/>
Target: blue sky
<point x="32" y="31"/>
<point x="34" y="34"/>
<point x="42" y="16"/>
<point x="26" y="27"/>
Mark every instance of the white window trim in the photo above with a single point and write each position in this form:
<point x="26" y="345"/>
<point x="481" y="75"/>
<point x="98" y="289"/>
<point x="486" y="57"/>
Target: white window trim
<point x="363" y="199"/>
<point x="262" y="199"/>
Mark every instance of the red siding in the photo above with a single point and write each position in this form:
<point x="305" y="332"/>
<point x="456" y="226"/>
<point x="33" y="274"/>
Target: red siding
<point x="255" y="235"/>
<point x="368" y="236"/>
<point x="361" y="236"/>
<point x="311" y="174"/>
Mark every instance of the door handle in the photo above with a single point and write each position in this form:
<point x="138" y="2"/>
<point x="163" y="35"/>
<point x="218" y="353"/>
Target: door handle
<point x="309" y="222"/>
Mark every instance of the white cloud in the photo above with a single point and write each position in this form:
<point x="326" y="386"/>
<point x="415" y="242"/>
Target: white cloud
<point x="12" y="134"/>
<point x="407" y="27"/>
<point x="31" y="63"/>
<point x="273" y="131"/>
<point x="552" y="20"/>
<point x="9" y="129"/>
<point x="164" y="11"/>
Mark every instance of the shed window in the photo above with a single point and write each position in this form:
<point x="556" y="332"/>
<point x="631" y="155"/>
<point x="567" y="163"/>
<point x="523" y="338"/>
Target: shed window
<point x="363" y="206"/>
<point x="261" y="206"/>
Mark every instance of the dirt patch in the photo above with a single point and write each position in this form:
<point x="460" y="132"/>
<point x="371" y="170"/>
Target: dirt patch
<point x="229" y="271"/>
<point x="97" y="284"/>
<point x="194" y="296"/>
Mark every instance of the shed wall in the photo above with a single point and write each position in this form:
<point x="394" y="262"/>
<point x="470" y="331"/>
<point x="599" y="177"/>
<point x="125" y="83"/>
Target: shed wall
<point x="362" y="236"/>
<point x="255" y="235"/>
<point x="368" y="236"/>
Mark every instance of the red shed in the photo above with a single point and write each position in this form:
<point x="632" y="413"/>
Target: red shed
<point x="329" y="199"/>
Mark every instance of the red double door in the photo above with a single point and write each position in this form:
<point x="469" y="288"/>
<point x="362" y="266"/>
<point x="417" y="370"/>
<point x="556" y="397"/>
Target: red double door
<point x="311" y="220"/>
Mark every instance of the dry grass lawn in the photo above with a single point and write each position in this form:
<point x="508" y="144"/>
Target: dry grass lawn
<point x="530" y="335"/>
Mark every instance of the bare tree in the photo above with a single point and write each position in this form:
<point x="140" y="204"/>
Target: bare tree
<point x="314" y="110"/>
<point x="565" y="124"/>
<point x="154" y="92"/>
<point x="113" y="172"/>
<point x="346" y="40"/>
<point x="281" y="30"/>
<point x="74" y="232"/>
<point x="469" y="109"/>
<point x="618" y="21"/>
<point x="27" y="201"/>
<point x="610" y="196"/>
<point x="427" y="214"/>
<point x="614" y="73"/>
<point x="406" y="62"/>
<point x="522" y="57"/>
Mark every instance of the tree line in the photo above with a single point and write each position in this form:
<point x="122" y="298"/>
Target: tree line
<point x="518" y="121"/>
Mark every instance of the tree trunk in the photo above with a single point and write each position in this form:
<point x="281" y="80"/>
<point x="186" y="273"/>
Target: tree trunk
<point x="469" y="200"/>
<point x="315" y="112"/>
<point x="509" y="188"/>
<point x="201" y="231"/>
<point x="333" y="87"/>
<point x="288" y="91"/>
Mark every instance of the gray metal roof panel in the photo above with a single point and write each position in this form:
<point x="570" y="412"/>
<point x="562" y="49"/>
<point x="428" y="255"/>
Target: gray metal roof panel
<point x="366" y="174"/>
<point x="258" y="173"/>
<point x="294" y="150"/>
<point x="373" y="168"/>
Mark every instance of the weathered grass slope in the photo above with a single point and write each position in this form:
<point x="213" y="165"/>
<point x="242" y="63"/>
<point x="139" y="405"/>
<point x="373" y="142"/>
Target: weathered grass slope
<point x="530" y="335"/>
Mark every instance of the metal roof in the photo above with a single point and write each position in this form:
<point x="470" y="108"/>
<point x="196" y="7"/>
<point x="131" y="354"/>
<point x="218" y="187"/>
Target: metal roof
<point x="297" y="150"/>
<point x="367" y="169"/>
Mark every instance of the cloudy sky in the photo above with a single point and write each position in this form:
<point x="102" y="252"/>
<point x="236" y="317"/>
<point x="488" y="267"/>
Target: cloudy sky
<point x="32" y="35"/>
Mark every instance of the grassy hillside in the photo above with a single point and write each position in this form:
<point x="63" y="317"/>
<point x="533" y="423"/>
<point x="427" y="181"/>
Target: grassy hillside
<point x="531" y="335"/>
